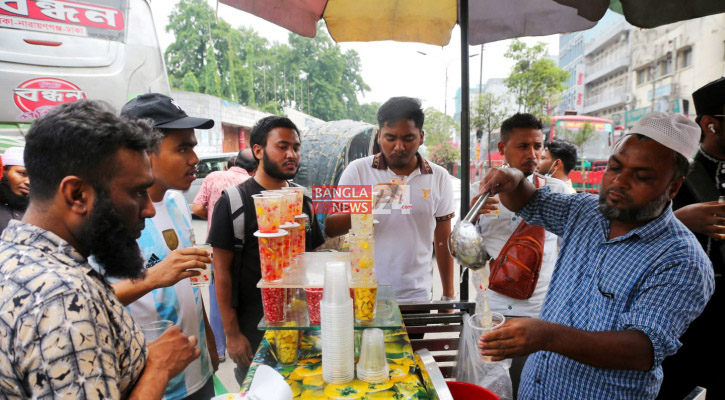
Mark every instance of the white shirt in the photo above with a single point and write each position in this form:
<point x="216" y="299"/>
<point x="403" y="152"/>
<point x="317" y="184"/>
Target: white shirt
<point x="404" y="237"/>
<point x="496" y="232"/>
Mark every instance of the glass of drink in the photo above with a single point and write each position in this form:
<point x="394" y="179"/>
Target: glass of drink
<point x="364" y="301"/>
<point x="483" y="323"/>
<point x="299" y="198"/>
<point x="362" y="257"/>
<point x="287" y="342"/>
<point x="204" y="279"/>
<point x="270" y="254"/>
<point x="314" y="295"/>
<point x="302" y="220"/>
<point x="154" y="330"/>
<point x="268" y="212"/>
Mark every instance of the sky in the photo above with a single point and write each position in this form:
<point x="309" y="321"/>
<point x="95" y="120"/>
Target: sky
<point x="389" y="68"/>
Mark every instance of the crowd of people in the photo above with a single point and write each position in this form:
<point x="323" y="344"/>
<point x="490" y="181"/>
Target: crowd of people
<point x="98" y="240"/>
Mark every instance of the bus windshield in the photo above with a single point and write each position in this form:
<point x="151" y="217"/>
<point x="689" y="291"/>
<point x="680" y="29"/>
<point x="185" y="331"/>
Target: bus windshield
<point x="595" y="138"/>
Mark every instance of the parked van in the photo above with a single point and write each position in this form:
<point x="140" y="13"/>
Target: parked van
<point x="59" y="51"/>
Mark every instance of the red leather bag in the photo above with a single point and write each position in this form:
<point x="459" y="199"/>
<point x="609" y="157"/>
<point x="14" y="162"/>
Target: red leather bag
<point x="515" y="272"/>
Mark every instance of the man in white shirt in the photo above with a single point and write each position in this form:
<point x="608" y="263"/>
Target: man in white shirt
<point x="405" y="237"/>
<point x="557" y="160"/>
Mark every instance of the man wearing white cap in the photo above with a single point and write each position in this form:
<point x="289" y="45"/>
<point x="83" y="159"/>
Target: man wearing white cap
<point x="14" y="187"/>
<point x="629" y="279"/>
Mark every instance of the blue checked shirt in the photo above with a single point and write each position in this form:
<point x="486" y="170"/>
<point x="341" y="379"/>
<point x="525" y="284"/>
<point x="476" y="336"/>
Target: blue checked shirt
<point x="655" y="279"/>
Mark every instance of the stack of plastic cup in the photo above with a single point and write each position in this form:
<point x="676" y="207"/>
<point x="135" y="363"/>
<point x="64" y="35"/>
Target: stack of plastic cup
<point x="271" y="256"/>
<point x="337" y="326"/>
<point x="372" y="366"/>
<point x="267" y="208"/>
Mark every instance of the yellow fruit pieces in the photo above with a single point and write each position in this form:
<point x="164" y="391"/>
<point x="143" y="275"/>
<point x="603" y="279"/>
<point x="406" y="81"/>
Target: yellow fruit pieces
<point x="365" y="303"/>
<point x="287" y="341"/>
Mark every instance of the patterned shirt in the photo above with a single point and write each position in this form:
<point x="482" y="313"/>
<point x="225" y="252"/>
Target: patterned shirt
<point x="63" y="332"/>
<point x="212" y="186"/>
<point x="655" y="279"/>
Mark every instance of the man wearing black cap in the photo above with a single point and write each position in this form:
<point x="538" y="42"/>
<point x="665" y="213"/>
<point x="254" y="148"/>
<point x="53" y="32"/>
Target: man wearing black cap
<point x="167" y="243"/>
<point x="697" y="207"/>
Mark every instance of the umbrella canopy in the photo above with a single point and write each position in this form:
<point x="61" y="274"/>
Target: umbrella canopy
<point x="431" y="21"/>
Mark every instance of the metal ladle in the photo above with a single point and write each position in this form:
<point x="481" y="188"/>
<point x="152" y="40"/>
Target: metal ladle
<point x="465" y="243"/>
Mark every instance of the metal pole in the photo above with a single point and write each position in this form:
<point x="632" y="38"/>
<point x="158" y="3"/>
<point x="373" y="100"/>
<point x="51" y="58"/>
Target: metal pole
<point x="465" y="124"/>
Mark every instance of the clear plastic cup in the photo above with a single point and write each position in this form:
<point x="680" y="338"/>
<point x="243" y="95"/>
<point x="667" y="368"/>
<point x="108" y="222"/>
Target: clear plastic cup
<point x="299" y="199"/>
<point x="204" y="279"/>
<point x="271" y="261"/>
<point x="314" y="295"/>
<point x="286" y="251"/>
<point x="154" y="330"/>
<point x="294" y="232"/>
<point x="336" y="289"/>
<point x="362" y="257"/>
<point x="290" y="206"/>
<point x="273" y="302"/>
<point x="287" y="344"/>
<point x="364" y="303"/>
<point x="475" y="322"/>
<point x="268" y="212"/>
<point x="372" y="366"/>
<point x="361" y="224"/>
<point x="302" y="220"/>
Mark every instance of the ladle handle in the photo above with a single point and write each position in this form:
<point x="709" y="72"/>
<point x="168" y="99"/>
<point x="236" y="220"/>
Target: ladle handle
<point x="477" y="206"/>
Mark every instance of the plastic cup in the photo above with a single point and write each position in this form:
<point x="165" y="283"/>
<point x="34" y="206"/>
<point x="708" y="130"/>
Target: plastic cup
<point x="336" y="289"/>
<point x="154" y="330"/>
<point x="287" y="343"/>
<point x="286" y="251"/>
<point x="362" y="256"/>
<point x="273" y="302"/>
<point x="364" y="302"/>
<point x="372" y="366"/>
<point x="294" y="232"/>
<point x="314" y="295"/>
<point x="476" y="325"/>
<point x="299" y="198"/>
<point x="361" y="224"/>
<point x="290" y="205"/>
<point x="302" y="220"/>
<point x="204" y="279"/>
<point x="268" y="212"/>
<point x="270" y="254"/>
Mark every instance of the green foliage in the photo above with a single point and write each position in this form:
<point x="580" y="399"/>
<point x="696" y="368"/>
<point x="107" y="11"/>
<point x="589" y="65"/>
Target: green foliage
<point x="438" y="127"/>
<point x="487" y="115"/>
<point x="444" y="154"/>
<point x="190" y="83"/>
<point x="310" y="74"/>
<point x="272" y="107"/>
<point x="581" y="137"/>
<point x="535" y="80"/>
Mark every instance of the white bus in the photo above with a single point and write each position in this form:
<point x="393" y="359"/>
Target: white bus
<point x="58" y="51"/>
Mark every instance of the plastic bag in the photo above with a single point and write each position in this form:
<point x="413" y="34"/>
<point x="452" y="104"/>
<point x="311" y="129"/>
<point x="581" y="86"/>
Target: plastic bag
<point x="471" y="368"/>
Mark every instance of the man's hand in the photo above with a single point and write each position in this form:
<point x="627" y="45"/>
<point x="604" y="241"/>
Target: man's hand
<point x="240" y="350"/>
<point x="516" y="337"/>
<point x="501" y="180"/>
<point x="703" y="218"/>
<point x="488" y="207"/>
<point x="176" y="266"/>
<point x="172" y="352"/>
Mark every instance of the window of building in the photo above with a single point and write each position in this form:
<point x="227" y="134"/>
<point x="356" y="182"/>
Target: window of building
<point x="666" y="66"/>
<point x="685" y="58"/>
<point x="641" y="76"/>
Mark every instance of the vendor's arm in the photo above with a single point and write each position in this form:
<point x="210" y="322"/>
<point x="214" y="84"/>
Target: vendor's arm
<point x="173" y="268"/>
<point x="703" y="218"/>
<point x="626" y="349"/>
<point x="514" y="191"/>
<point x="337" y="224"/>
<point x="168" y="356"/>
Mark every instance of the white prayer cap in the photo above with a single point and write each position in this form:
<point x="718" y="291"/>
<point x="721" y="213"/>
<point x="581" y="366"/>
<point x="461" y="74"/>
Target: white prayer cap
<point x="674" y="131"/>
<point x="13" y="156"/>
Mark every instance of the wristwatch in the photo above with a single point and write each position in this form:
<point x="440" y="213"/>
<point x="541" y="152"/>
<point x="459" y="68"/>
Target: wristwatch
<point x="446" y="298"/>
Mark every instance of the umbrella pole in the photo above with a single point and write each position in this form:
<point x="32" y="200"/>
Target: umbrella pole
<point x="465" y="125"/>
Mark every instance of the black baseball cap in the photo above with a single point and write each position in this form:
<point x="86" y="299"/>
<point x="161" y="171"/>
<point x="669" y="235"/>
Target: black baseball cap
<point x="164" y="111"/>
<point x="710" y="99"/>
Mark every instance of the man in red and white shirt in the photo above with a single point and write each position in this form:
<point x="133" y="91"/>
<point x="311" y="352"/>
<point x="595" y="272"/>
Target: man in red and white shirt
<point x="210" y="191"/>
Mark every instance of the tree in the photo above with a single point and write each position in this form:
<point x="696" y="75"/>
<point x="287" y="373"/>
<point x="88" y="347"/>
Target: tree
<point x="535" y="80"/>
<point x="190" y="83"/>
<point x="444" y="154"/>
<point x="212" y="82"/>
<point x="581" y="137"/>
<point x="438" y="127"/>
<point x="487" y="116"/>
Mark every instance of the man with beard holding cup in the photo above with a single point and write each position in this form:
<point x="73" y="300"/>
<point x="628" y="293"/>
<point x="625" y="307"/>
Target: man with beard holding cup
<point x="629" y="278"/>
<point x="64" y="333"/>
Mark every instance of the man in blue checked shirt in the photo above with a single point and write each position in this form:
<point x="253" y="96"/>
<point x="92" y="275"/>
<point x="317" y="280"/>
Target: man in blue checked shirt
<point x="629" y="278"/>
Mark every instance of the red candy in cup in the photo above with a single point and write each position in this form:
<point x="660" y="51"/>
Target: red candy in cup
<point x="273" y="300"/>
<point x="314" y="295"/>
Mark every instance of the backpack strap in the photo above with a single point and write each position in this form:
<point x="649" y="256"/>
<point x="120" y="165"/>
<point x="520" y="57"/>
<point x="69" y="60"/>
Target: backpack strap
<point x="236" y="211"/>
